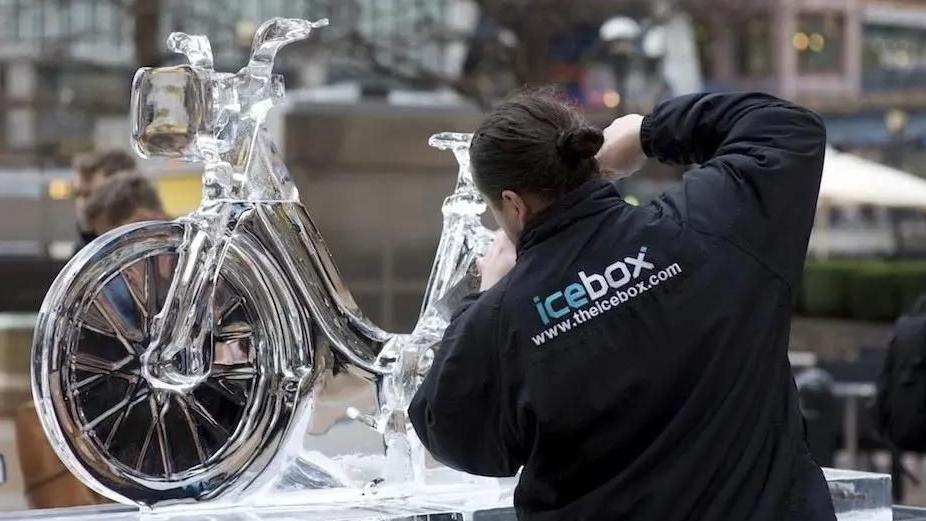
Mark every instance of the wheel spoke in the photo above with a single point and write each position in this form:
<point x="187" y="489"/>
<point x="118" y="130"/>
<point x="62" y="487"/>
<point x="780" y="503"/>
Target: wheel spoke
<point x="194" y="430"/>
<point x="134" y="277"/>
<point x="226" y="392"/>
<point x="89" y="381"/>
<point x="106" y="414"/>
<point x="150" y="291"/>
<point x="115" y="302"/>
<point x="92" y="364"/>
<point x="94" y="321"/>
<point x="152" y="407"/>
<point x="120" y="335"/>
<point x="92" y="381"/>
<point x="136" y="399"/>
<point x="198" y="408"/>
<point x="101" y="332"/>
<point x="233" y="304"/>
<point x="162" y="439"/>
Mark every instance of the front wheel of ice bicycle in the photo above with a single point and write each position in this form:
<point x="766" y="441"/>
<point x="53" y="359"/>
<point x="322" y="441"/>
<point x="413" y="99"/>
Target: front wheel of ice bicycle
<point x="118" y="434"/>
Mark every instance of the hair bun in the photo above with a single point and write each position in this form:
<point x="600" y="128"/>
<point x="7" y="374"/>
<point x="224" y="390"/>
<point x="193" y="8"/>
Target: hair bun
<point x="580" y="143"/>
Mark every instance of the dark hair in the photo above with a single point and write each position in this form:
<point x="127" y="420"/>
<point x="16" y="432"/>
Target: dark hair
<point x="119" y="197"/>
<point x="535" y="143"/>
<point x="106" y="163"/>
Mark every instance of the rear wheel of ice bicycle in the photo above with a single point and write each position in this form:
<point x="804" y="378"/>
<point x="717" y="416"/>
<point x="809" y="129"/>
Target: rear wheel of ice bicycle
<point x="121" y="436"/>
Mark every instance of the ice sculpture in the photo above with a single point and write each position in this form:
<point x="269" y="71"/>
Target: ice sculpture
<point x="219" y="356"/>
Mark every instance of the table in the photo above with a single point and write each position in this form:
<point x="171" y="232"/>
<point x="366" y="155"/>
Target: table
<point x="851" y="393"/>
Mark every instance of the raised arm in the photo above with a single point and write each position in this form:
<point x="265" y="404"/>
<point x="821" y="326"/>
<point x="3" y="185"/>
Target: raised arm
<point x="761" y="161"/>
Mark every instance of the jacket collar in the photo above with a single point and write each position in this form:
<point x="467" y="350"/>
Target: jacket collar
<point x="590" y="198"/>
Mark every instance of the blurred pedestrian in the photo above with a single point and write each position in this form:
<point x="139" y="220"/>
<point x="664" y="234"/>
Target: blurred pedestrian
<point x="47" y="482"/>
<point x="119" y="200"/>
<point x="91" y="170"/>
<point x="122" y="199"/>
<point x="901" y="385"/>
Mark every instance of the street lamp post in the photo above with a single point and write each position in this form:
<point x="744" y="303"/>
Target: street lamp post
<point x="896" y="121"/>
<point x="620" y="34"/>
<point x="632" y="48"/>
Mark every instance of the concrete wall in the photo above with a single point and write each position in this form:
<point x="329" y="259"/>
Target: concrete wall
<point x="374" y="188"/>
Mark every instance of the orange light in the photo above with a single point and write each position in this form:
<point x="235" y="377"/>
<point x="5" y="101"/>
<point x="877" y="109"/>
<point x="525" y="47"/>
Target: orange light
<point x="801" y="41"/>
<point x="611" y="99"/>
<point x="60" y="189"/>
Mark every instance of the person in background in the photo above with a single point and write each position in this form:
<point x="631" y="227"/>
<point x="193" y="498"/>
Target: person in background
<point x="114" y="199"/>
<point x="122" y="199"/>
<point x="91" y="170"/>
<point x="899" y="413"/>
<point x="48" y="483"/>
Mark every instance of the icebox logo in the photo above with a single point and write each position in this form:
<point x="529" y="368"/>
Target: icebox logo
<point x="598" y="293"/>
<point x="594" y="286"/>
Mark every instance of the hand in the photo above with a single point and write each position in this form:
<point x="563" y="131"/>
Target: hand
<point x="622" y="152"/>
<point x="497" y="262"/>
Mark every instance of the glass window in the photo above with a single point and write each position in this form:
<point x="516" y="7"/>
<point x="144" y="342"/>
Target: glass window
<point x="8" y="25"/>
<point x="29" y="22"/>
<point x="894" y="58"/>
<point x="819" y="42"/>
<point x="839" y="217"/>
<point x="52" y="15"/>
<point x="81" y="18"/>
<point x="753" y="40"/>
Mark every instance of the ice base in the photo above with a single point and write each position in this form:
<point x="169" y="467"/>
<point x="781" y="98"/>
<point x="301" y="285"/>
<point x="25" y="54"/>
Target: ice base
<point x="860" y="496"/>
<point x="857" y="496"/>
<point x="434" y="503"/>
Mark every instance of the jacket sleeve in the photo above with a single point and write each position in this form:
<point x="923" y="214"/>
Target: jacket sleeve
<point x="459" y="411"/>
<point x="761" y="162"/>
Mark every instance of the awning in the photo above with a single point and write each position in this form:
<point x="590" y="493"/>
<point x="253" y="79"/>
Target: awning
<point x="849" y="179"/>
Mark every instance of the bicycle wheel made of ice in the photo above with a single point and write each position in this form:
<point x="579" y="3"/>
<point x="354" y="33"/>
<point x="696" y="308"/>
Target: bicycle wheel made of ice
<point x="121" y="436"/>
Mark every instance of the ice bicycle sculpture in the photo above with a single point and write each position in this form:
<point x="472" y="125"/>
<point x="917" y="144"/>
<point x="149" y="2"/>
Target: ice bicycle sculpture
<point x="220" y="355"/>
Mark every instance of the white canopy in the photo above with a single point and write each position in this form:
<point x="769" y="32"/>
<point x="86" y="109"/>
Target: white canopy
<point x="849" y="179"/>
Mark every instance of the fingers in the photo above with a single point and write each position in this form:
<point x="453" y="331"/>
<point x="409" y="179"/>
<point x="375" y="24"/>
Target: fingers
<point x="497" y="262"/>
<point x="622" y="152"/>
<point x="499" y="244"/>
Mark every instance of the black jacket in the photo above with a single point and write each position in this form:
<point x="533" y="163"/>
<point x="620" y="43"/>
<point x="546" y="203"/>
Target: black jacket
<point x="634" y="361"/>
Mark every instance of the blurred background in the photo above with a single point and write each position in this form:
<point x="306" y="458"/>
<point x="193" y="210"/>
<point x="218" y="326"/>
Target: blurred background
<point x="364" y="95"/>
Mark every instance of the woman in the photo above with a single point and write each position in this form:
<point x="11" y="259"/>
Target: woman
<point x="633" y="360"/>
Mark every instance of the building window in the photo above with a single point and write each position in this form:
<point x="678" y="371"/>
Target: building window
<point x="894" y="58"/>
<point x="819" y="42"/>
<point x="753" y="40"/>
